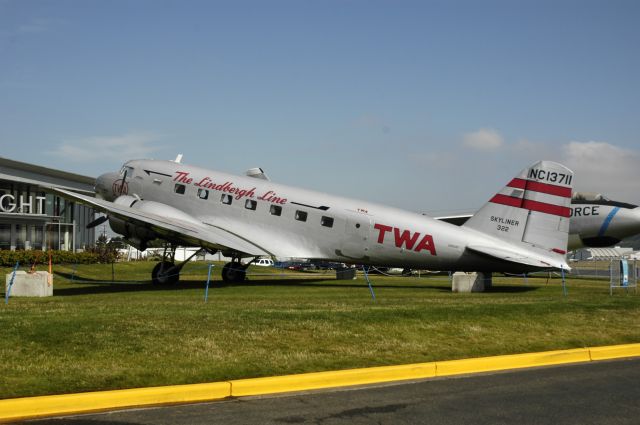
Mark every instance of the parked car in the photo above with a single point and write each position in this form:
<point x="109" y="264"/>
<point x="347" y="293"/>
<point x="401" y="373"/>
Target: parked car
<point x="263" y="262"/>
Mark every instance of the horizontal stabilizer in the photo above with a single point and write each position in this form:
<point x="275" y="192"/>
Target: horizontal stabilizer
<point x="527" y="258"/>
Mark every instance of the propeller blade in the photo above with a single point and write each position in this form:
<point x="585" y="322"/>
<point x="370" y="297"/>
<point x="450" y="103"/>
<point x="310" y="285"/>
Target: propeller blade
<point x="124" y="180"/>
<point x="98" y="221"/>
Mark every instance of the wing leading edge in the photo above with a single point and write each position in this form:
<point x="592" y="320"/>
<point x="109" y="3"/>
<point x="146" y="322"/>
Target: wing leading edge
<point x="185" y="228"/>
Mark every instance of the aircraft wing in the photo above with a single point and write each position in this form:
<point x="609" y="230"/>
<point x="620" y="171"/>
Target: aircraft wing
<point x="185" y="229"/>
<point x="39" y="183"/>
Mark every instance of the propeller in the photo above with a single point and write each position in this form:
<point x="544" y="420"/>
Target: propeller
<point x="124" y="181"/>
<point x="98" y="221"/>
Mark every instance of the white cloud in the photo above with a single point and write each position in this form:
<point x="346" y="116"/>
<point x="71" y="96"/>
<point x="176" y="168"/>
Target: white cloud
<point x="485" y="139"/>
<point x="600" y="167"/>
<point x="604" y="168"/>
<point x="128" y="146"/>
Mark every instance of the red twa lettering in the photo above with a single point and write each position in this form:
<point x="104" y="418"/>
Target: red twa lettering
<point x="427" y="243"/>
<point x="383" y="229"/>
<point x="406" y="238"/>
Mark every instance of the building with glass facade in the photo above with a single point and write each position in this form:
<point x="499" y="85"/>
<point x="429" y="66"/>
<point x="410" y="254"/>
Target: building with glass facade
<point x="32" y="217"/>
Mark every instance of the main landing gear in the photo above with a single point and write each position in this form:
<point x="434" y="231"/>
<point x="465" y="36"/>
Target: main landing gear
<point x="167" y="272"/>
<point x="234" y="272"/>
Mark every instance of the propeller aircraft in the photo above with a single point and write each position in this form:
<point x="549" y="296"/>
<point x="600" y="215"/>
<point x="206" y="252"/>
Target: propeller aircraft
<point x="521" y="229"/>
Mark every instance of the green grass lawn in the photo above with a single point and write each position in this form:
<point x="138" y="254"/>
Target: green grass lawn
<point x="93" y="335"/>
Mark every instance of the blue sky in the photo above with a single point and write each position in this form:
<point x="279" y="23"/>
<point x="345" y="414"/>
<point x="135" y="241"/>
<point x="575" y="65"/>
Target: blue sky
<point x="426" y="105"/>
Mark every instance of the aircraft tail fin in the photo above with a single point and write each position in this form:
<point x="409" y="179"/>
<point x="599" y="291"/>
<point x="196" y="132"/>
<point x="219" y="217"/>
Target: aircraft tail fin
<point x="532" y="209"/>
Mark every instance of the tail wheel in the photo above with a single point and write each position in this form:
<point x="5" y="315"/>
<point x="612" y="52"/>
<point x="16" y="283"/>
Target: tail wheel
<point x="165" y="273"/>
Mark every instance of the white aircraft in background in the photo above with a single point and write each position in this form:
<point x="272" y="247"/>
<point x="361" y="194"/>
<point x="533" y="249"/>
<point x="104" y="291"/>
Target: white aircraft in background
<point x="596" y="222"/>
<point x="523" y="228"/>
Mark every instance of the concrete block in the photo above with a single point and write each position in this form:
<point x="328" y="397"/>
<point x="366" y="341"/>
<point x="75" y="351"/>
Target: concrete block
<point x="346" y="274"/>
<point x="30" y="284"/>
<point x="467" y="282"/>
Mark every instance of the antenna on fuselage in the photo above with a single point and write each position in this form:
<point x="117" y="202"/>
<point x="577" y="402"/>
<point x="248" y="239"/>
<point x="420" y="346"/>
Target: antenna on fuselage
<point x="178" y="159"/>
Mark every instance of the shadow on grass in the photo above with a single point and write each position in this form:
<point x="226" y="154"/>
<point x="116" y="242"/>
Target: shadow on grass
<point x="511" y="289"/>
<point x="74" y="278"/>
<point x="96" y="286"/>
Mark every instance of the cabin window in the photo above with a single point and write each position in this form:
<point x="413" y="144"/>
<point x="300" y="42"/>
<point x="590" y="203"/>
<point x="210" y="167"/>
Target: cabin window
<point x="301" y="215"/>
<point x="275" y="210"/>
<point x="226" y="199"/>
<point x="250" y="204"/>
<point x="179" y="188"/>
<point x="203" y="193"/>
<point x="326" y="221"/>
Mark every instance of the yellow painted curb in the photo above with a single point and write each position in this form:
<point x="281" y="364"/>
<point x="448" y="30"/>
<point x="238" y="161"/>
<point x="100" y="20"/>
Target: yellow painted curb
<point x="513" y="361"/>
<point x="30" y="407"/>
<point x="56" y="405"/>
<point x="615" y="352"/>
<point x="341" y="378"/>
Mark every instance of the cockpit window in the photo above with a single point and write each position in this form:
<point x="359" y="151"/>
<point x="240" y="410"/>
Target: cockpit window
<point x="589" y="196"/>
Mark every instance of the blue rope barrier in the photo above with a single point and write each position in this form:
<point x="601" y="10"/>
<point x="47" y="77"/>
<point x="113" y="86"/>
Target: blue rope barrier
<point x="206" y="291"/>
<point x="366" y="276"/>
<point x="6" y="296"/>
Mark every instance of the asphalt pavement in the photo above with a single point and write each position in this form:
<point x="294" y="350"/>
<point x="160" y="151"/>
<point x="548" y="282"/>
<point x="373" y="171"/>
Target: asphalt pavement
<point x="603" y="393"/>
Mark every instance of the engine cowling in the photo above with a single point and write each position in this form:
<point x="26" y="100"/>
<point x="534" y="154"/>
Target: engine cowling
<point x="140" y="235"/>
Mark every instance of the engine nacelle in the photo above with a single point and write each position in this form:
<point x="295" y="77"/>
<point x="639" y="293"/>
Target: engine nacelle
<point x="139" y="235"/>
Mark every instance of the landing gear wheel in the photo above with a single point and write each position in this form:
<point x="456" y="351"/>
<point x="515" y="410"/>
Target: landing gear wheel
<point x="165" y="273"/>
<point x="233" y="273"/>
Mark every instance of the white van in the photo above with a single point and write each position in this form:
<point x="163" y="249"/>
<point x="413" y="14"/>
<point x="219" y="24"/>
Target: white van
<point x="263" y="262"/>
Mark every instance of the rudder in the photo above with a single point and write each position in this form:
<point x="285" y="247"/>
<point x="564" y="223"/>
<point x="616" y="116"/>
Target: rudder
<point x="533" y="208"/>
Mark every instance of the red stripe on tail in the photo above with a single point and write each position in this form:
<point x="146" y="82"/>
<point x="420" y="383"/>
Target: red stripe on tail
<point x="531" y="205"/>
<point x="549" y="189"/>
<point x="518" y="183"/>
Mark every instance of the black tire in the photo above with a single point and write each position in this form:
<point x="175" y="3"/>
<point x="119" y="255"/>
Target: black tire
<point x="233" y="273"/>
<point x="165" y="273"/>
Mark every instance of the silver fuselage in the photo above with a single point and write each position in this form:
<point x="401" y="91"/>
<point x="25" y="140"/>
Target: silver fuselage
<point x="270" y="215"/>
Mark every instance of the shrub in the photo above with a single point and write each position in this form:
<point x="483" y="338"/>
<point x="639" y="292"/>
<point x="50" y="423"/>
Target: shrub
<point x="27" y="258"/>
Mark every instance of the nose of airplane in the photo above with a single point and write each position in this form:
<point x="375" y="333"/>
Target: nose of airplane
<point x="635" y="213"/>
<point x="109" y="186"/>
<point x="626" y="223"/>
